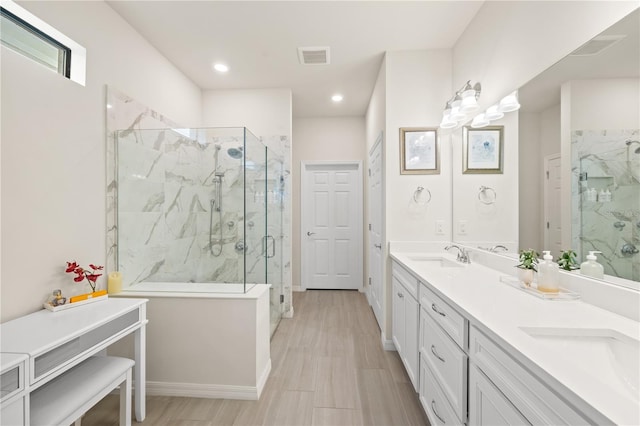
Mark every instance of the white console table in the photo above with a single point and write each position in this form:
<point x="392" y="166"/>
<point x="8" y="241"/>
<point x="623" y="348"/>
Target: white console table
<point x="55" y="342"/>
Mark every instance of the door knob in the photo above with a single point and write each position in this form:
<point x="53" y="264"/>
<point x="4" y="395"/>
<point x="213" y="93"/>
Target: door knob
<point x="310" y="233"/>
<point x="378" y="246"/>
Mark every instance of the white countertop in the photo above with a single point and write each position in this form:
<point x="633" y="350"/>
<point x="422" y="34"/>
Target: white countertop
<point x="501" y="311"/>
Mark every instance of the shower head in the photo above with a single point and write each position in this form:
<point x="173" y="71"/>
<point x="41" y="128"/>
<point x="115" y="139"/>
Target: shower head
<point x="235" y="152"/>
<point x="630" y="142"/>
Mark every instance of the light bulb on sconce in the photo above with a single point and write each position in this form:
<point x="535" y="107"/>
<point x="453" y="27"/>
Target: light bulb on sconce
<point x="447" y="122"/>
<point x="509" y="103"/>
<point x="470" y="97"/>
<point x="480" y="120"/>
<point x="456" y="113"/>
<point x="493" y="113"/>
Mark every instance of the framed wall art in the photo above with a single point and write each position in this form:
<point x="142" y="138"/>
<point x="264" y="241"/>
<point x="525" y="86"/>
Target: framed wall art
<point x="482" y="150"/>
<point x="419" y="154"/>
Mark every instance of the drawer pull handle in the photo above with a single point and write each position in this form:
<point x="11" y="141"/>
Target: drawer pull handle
<point x="400" y="295"/>
<point x="433" y="408"/>
<point x="433" y="351"/>
<point x="435" y="309"/>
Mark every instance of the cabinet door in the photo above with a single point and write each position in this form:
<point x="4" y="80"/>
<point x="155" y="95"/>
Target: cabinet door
<point x="487" y="405"/>
<point x="13" y="413"/>
<point x="411" y="314"/>
<point x="398" y="326"/>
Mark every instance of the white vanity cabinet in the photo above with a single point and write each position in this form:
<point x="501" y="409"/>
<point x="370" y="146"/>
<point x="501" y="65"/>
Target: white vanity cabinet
<point x="521" y="391"/>
<point x="443" y="357"/>
<point x="405" y="320"/>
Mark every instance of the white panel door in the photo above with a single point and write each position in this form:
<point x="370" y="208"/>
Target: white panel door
<point x="552" y="219"/>
<point x="375" y="231"/>
<point x="331" y="226"/>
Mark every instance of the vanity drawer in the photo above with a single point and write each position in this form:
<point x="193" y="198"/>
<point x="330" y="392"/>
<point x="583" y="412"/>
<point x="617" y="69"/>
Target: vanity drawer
<point x="433" y="401"/>
<point x="447" y="362"/>
<point x="408" y="280"/>
<point x="12" y="375"/>
<point x="530" y="396"/>
<point x="454" y="324"/>
<point x="53" y="360"/>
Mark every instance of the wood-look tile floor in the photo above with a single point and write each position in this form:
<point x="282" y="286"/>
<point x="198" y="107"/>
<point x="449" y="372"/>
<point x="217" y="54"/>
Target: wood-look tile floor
<point x="328" y="368"/>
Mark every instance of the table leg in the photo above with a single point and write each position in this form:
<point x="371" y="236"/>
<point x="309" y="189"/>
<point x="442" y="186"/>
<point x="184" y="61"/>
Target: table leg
<point x="140" y="372"/>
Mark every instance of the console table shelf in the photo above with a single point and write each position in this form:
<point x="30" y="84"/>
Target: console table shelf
<point x="55" y="343"/>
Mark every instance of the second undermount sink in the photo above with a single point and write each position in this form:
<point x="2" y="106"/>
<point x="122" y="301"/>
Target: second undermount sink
<point x="613" y="355"/>
<point x="436" y="261"/>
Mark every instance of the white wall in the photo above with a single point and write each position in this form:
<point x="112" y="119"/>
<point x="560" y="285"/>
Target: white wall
<point x="375" y="117"/>
<point x="510" y="42"/>
<point x="322" y="139"/>
<point x="53" y="147"/>
<point x="529" y="183"/>
<point x="265" y="112"/>
<point x="539" y="137"/>
<point x="488" y="224"/>
<point x="416" y="84"/>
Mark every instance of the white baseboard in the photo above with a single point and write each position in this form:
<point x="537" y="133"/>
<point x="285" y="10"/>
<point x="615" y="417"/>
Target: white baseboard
<point x="387" y="344"/>
<point x="262" y="380"/>
<point x="198" y="390"/>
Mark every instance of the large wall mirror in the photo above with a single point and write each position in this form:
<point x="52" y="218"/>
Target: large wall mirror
<point x="577" y="161"/>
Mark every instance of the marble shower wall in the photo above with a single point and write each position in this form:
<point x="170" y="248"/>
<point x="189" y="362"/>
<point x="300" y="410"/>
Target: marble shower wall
<point x="601" y="160"/>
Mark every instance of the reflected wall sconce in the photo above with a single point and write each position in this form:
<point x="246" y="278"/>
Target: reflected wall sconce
<point x="496" y="112"/>
<point x="461" y="104"/>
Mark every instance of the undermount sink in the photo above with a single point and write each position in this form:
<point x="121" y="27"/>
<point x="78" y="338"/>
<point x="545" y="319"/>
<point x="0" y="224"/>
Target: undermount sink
<point x="614" y="355"/>
<point x="436" y="261"/>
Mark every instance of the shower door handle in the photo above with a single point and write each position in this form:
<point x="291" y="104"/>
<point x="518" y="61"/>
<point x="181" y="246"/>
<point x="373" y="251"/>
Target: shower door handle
<point x="265" y="244"/>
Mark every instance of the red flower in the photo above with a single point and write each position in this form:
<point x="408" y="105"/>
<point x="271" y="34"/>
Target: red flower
<point x="93" y="277"/>
<point x="82" y="274"/>
<point x="71" y="266"/>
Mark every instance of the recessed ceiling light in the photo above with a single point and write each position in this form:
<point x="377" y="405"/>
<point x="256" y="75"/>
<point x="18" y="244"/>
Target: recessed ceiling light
<point x="221" y="67"/>
<point x="337" y="98"/>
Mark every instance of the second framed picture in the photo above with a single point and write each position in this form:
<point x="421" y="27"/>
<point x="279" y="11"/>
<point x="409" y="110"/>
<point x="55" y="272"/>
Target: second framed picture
<point x="419" y="153"/>
<point x="482" y="150"/>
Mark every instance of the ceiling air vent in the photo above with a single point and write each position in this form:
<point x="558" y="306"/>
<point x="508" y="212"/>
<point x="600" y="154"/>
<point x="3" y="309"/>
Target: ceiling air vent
<point x="597" y="45"/>
<point x="313" y="55"/>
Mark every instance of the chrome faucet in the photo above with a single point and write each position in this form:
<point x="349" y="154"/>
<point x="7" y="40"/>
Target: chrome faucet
<point x="463" y="255"/>
<point x="495" y="248"/>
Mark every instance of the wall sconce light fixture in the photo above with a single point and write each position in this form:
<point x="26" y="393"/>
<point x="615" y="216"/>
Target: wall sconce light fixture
<point x="461" y="104"/>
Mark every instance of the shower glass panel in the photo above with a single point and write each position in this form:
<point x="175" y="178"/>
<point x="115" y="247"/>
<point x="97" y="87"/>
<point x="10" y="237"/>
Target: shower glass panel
<point x="255" y="223"/>
<point x="274" y="195"/>
<point x="609" y="187"/>
<point x="190" y="208"/>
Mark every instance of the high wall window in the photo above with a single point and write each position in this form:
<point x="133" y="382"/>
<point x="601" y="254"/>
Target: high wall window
<point x="33" y="38"/>
<point x="24" y="38"/>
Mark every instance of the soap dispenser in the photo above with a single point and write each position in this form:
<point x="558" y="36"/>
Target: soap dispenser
<point x="591" y="267"/>
<point x="548" y="274"/>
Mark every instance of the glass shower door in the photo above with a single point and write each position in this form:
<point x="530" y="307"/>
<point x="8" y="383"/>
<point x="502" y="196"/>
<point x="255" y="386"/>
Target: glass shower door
<point x="255" y="223"/>
<point x="274" y="188"/>
<point x="610" y="213"/>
